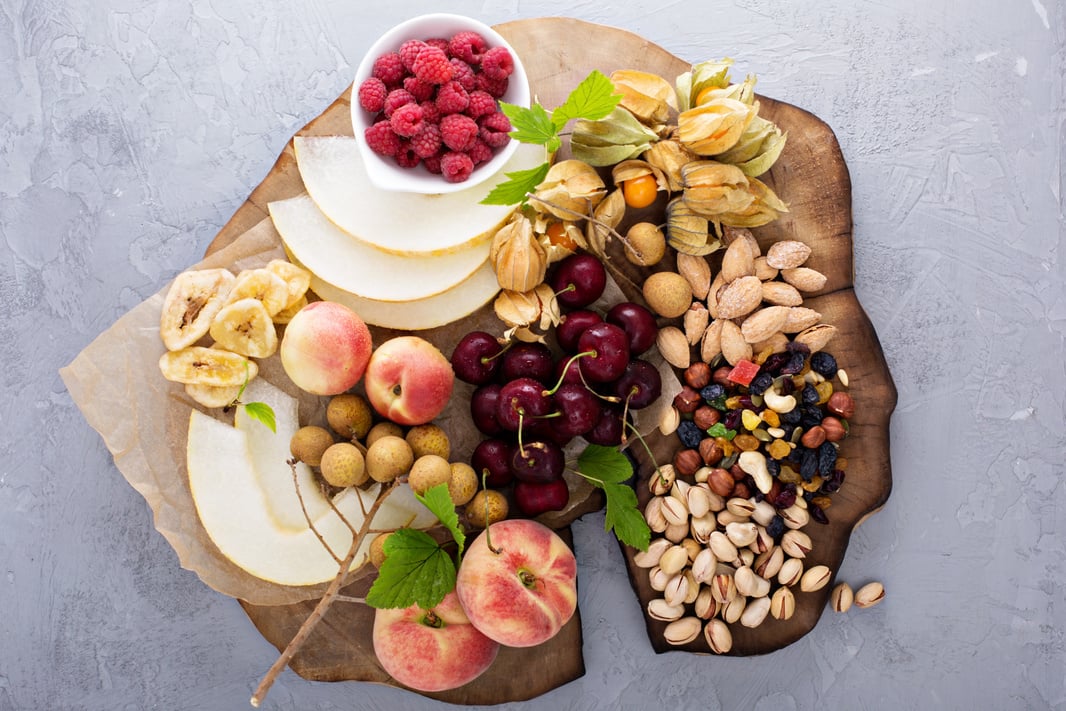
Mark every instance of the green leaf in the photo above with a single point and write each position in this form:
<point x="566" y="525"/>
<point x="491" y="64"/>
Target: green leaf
<point x="262" y="412"/>
<point x="416" y="571"/>
<point x="439" y="501"/>
<point x="532" y="125"/>
<point x="513" y="191"/>
<point x="719" y="430"/>
<point x="604" y="465"/>
<point x="624" y="517"/>
<point x="592" y="99"/>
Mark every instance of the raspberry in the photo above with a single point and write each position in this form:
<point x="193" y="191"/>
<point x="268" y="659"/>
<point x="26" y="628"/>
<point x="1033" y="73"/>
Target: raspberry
<point x="494" y="128"/>
<point x="464" y="74"/>
<point x="480" y="152"/>
<point x="467" y="46"/>
<point x="372" y="93"/>
<point x="432" y="164"/>
<point x="426" y="142"/>
<point x="388" y="68"/>
<point x="495" y="88"/>
<point x="458" y="132"/>
<point x="406" y="157"/>
<point x="382" y="139"/>
<point x="497" y="63"/>
<point x="409" y="51"/>
<point x="456" y="167"/>
<point x="430" y="112"/>
<point x="407" y="120"/>
<point x="432" y="66"/>
<point x="418" y="89"/>
<point x="396" y="99"/>
<point x="438" y="42"/>
<point x="452" y="98"/>
<point x="481" y="103"/>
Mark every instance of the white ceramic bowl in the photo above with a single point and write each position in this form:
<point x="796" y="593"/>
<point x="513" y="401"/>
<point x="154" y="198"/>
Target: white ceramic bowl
<point x="384" y="172"/>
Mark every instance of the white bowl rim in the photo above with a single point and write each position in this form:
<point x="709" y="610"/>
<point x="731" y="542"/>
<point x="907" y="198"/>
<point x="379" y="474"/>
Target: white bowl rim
<point x="389" y="176"/>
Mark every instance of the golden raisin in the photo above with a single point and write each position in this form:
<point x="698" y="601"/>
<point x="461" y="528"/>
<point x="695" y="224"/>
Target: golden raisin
<point x="778" y="449"/>
<point x="822" y="502"/>
<point x="746" y="442"/>
<point x="771" y="418"/>
<point x="789" y="476"/>
<point x="825" y="390"/>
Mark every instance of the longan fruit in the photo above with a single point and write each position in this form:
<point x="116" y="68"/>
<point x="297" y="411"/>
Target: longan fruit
<point x="462" y="484"/>
<point x="645" y="244"/>
<point x="349" y="415"/>
<point x="428" y="471"/>
<point x="429" y="439"/>
<point x="668" y="294"/>
<point x="388" y="458"/>
<point x="308" y="444"/>
<point x="486" y="501"/>
<point x="383" y="429"/>
<point x="377" y="550"/>
<point x="343" y="465"/>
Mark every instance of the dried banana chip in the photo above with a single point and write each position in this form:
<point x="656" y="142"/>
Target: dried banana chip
<point x="207" y="366"/>
<point x="297" y="279"/>
<point x="191" y="304"/>
<point x="264" y="285"/>
<point x="245" y="327"/>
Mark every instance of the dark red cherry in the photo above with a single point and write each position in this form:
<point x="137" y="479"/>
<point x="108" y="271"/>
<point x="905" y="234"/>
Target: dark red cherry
<point x="493" y="456"/>
<point x="608" y="429"/>
<point x="578" y="410"/>
<point x="638" y="323"/>
<point x="640" y="384"/>
<point x="578" y="280"/>
<point x="610" y="348"/>
<point x="535" y="499"/>
<point x="483" y="409"/>
<point x="474" y="358"/>
<point x="521" y="400"/>
<point x="527" y="360"/>
<point x="572" y="326"/>
<point x="537" y="462"/>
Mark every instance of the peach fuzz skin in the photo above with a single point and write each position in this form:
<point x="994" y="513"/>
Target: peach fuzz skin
<point x="326" y="348"/>
<point x="497" y="599"/>
<point x="430" y="658"/>
<point x="408" y="380"/>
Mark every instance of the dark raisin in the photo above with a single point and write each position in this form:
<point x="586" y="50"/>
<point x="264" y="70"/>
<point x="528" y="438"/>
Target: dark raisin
<point x="774" y="363"/>
<point x="732" y="419"/>
<point x="827" y="457"/>
<point x="808" y="464"/>
<point x="817" y="513"/>
<point x="792" y="417"/>
<point x="761" y="382"/>
<point x="810" y="415"/>
<point x="786" y="497"/>
<point x="786" y="386"/>
<point x="824" y="364"/>
<point x="776" y="529"/>
<point x="773" y="467"/>
<point x="689" y="434"/>
<point x="797" y="347"/>
<point x="808" y="495"/>
<point x="712" y="392"/>
<point x="809" y="396"/>
<point x="795" y="364"/>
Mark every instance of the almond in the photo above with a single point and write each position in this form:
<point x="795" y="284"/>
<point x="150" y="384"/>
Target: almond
<point x="763" y="270"/>
<point x="817" y="337"/>
<point x="776" y="343"/>
<point x="673" y="346"/>
<point x="711" y="345"/>
<point x="734" y="347"/>
<point x="732" y="234"/>
<point x="787" y="254"/>
<point x="764" y="323"/>
<point x="804" y="278"/>
<point x="738" y="261"/>
<point x="740" y="297"/>
<point x="779" y="293"/>
<point x="713" y="293"/>
<point x="697" y="272"/>
<point x="800" y="318"/>
<point x="696" y="319"/>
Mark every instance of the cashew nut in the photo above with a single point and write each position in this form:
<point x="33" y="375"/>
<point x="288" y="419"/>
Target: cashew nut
<point x="778" y="403"/>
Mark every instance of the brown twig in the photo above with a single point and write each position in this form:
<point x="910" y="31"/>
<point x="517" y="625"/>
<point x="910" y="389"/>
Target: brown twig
<point x="323" y="605"/>
<point x="307" y="516"/>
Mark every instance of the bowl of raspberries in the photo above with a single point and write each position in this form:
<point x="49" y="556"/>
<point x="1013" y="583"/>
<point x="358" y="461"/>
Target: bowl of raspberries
<point x="426" y="104"/>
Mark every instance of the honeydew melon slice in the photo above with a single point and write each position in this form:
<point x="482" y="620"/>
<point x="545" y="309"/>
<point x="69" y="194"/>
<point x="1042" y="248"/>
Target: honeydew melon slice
<point x="234" y="507"/>
<point x="437" y="310"/>
<point x="358" y="268"/>
<point x="402" y="223"/>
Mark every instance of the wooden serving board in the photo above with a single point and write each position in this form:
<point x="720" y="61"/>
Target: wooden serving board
<point x="812" y="177"/>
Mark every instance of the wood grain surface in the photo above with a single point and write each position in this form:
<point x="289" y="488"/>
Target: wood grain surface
<point x="812" y="177"/>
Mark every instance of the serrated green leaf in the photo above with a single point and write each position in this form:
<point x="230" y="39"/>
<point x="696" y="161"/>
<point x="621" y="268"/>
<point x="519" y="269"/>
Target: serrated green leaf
<point x="532" y="125"/>
<point x="416" y="571"/>
<point x="439" y="501"/>
<point x="513" y="191"/>
<point x="624" y="517"/>
<point x="262" y="412"/>
<point x="593" y="99"/>
<point x="604" y="465"/>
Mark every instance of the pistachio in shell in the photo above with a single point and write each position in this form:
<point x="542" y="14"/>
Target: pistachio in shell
<point x="518" y="259"/>
<point x="571" y="188"/>
<point x="647" y="96"/>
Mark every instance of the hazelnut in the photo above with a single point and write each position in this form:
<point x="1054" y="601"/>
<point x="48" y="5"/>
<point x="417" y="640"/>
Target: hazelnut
<point x="741" y="490"/>
<point x="687" y="461"/>
<point x="710" y="451"/>
<point x="687" y="401"/>
<point x="813" y="437"/>
<point x="721" y="482"/>
<point x="737" y="472"/>
<point x="841" y="404"/>
<point x="721" y="376"/>
<point x="698" y="375"/>
<point x="706" y="417"/>
<point x="834" y="429"/>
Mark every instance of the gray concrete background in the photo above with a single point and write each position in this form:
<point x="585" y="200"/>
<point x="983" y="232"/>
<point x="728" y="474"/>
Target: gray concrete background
<point x="130" y="130"/>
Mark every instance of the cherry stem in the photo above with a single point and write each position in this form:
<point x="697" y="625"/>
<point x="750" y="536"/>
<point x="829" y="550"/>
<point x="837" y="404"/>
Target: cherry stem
<point x="640" y="438"/>
<point x="521" y="419"/>
<point x="488" y="533"/>
<point x="569" y="287"/>
<point x="570" y="362"/>
<point x="485" y="360"/>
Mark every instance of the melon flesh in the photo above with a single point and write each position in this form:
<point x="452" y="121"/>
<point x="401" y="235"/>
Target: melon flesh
<point x="437" y="310"/>
<point x="358" y="268"/>
<point x="332" y="171"/>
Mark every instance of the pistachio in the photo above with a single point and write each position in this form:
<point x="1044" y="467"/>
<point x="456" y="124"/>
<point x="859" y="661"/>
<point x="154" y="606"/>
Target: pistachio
<point x="660" y="609"/>
<point x="755" y="612"/>
<point x="723" y="588"/>
<point x="869" y="595"/>
<point x="791" y="572"/>
<point x="841" y="597"/>
<point x="676" y="590"/>
<point x="661" y="480"/>
<point x="768" y="564"/>
<point x="683" y="631"/>
<point x="733" y="609"/>
<point x="693" y="588"/>
<point x="727" y="517"/>
<point x="704" y="566"/>
<point x="702" y="527"/>
<point x="653" y="514"/>
<point x="783" y="604"/>
<point x="692" y="547"/>
<point x="705" y="606"/>
<point x="723" y="548"/>
<point x="674" y="511"/>
<point x="669" y="421"/>
<point x="763" y="513"/>
<point x="697" y="272"/>
<point x="763" y="540"/>
<point x="815" y="578"/>
<point x="796" y="516"/>
<point x="657" y="579"/>
<point x="744" y="557"/>
<point x="673" y="560"/>
<point x="699" y="501"/>
<point x="741" y="534"/>
<point x="676" y="532"/>
<point x="796" y="543"/>
<point x="743" y="508"/>
<point x="650" y="558"/>
<point x="744" y="579"/>
<point x="679" y="489"/>
<point x="754" y="463"/>
<point x="718" y="637"/>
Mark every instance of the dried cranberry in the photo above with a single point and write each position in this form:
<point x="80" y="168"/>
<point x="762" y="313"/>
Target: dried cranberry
<point x="732" y="419"/>
<point x="774" y="363"/>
